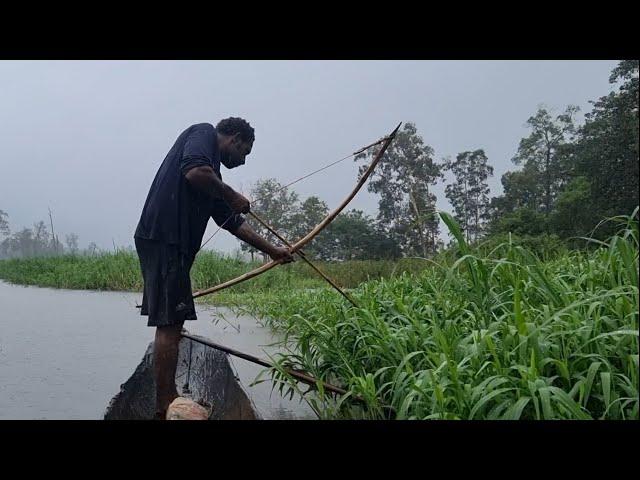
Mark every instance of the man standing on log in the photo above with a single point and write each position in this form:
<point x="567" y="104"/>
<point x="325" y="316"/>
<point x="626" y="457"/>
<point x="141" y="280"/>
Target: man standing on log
<point x="186" y="191"/>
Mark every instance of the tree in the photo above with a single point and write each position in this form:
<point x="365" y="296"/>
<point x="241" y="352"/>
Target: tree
<point x="36" y="241"/>
<point x="355" y="236"/>
<point x="406" y="209"/>
<point x="547" y="167"/>
<point x="522" y="221"/>
<point x="306" y="216"/>
<point x="22" y="243"/>
<point x="276" y="206"/>
<point x="72" y="243"/>
<point x="469" y="194"/>
<point x="521" y="193"/>
<point x="606" y="153"/>
<point x="520" y="190"/>
<point x="352" y="234"/>
<point x="570" y="217"/>
<point x="41" y="243"/>
<point x="92" y="249"/>
<point x="543" y="152"/>
<point x="4" y="223"/>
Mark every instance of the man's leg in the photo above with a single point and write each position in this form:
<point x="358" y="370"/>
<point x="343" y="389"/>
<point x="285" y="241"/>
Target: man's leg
<point x="165" y="362"/>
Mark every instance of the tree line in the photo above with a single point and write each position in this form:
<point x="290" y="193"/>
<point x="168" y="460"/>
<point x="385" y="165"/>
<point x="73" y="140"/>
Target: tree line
<point x="40" y="240"/>
<point x="571" y="178"/>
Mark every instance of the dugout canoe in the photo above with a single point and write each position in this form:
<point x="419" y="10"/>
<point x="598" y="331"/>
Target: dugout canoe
<point x="209" y="378"/>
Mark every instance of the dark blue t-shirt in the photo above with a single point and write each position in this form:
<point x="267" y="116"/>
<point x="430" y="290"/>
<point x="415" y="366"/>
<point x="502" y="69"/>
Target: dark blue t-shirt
<point x="175" y="212"/>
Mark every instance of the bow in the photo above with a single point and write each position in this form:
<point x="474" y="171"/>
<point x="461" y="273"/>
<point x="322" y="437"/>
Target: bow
<point x="314" y="232"/>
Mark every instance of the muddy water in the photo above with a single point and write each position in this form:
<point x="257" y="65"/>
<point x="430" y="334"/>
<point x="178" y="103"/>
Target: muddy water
<point x="64" y="353"/>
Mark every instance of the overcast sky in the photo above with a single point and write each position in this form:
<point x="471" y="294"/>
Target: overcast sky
<point x="85" y="138"/>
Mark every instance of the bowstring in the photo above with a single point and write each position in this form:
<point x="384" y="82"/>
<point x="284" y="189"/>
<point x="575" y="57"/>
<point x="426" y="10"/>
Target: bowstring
<point x="259" y="199"/>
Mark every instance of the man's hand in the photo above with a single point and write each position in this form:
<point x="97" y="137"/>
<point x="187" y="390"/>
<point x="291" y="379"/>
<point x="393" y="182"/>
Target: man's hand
<point x="249" y="235"/>
<point x="237" y="202"/>
<point x="281" y="253"/>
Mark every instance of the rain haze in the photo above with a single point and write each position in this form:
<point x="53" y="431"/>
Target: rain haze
<point x="85" y="138"/>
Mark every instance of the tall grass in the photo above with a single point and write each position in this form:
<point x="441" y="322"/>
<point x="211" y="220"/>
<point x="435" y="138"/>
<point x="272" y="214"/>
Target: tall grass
<point x="501" y="335"/>
<point x="107" y="271"/>
<point x="121" y="271"/>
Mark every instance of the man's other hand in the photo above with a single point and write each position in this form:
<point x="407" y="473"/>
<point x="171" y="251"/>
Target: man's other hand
<point x="282" y="254"/>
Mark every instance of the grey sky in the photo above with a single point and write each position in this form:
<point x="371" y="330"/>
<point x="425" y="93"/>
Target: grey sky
<point x="86" y="137"/>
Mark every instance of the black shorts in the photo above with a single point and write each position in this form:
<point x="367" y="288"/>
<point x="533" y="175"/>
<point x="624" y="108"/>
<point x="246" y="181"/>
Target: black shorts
<point x="167" y="297"/>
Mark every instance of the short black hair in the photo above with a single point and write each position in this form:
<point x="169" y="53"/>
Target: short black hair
<point x="233" y="125"/>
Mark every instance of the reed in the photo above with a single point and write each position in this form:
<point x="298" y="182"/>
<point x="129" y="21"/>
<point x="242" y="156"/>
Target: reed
<point x="497" y="335"/>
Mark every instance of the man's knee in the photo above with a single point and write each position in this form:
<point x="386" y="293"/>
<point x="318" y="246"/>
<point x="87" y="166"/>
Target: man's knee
<point x="170" y="329"/>
<point x="169" y="333"/>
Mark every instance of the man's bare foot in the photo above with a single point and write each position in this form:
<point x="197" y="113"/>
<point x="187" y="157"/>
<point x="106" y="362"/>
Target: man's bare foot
<point x="186" y="409"/>
<point x="161" y="409"/>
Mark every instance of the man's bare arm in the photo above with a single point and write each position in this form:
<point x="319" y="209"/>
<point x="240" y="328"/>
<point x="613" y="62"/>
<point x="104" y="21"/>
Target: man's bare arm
<point x="249" y="235"/>
<point x="204" y="179"/>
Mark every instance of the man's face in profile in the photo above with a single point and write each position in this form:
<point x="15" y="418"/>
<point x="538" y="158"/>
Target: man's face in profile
<point x="235" y="153"/>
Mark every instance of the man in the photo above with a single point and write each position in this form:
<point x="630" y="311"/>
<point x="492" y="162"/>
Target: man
<point x="186" y="191"/>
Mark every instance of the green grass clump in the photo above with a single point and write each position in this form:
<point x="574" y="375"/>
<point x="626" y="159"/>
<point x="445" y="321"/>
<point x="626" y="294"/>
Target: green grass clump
<point x="107" y="271"/>
<point x="121" y="271"/>
<point x="500" y="335"/>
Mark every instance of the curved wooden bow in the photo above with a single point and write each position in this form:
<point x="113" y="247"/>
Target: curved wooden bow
<point x="313" y="233"/>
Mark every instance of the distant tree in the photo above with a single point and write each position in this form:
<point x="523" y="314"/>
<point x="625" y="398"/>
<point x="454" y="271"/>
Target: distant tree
<point x="543" y="152"/>
<point x="41" y="244"/>
<point x="355" y="236"/>
<point x="406" y="209"/>
<point x="92" y="249"/>
<point x="72" y="243"/>
<point x="547" y="168"/>
<point x="469" y="193"/>
<point x="4" y="223"/>
<point x="521" y="189"/>
<point x="523" y="221"/>
<point x="36" y="241"/>
<point x="570" y="217"/>
<point x="276" y="205"/>
<point x="23" y="244"/>
<point x="55" y="244"/>
<point x="606" y="153"/>
<point x="306" y="216"/>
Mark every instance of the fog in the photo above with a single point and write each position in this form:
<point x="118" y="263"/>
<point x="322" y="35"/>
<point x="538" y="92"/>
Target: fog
<point x="85" y="138"/>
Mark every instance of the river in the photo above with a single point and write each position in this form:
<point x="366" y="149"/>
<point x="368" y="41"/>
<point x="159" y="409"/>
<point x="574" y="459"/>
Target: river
<point x="65" y="353"/>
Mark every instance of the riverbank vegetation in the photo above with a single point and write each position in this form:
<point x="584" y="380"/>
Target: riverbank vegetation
<point x="501" y="335"/>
